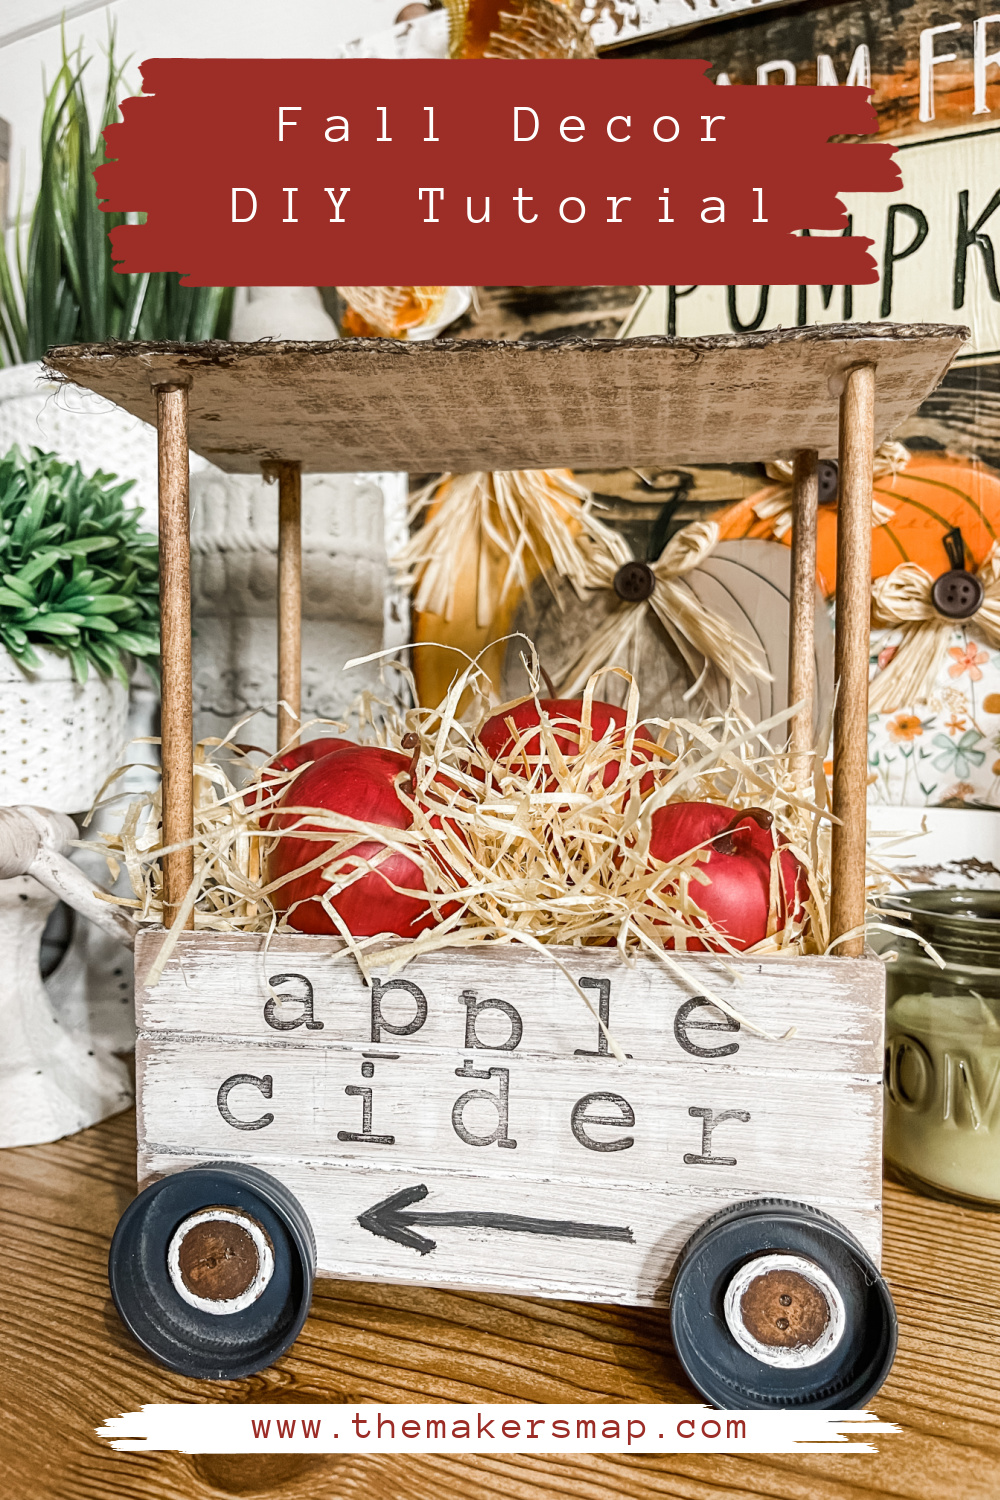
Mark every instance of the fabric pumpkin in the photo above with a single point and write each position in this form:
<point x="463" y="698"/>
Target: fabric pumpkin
<point x="932" y="494"/>
<point x="945" y="749"/>
<point x="743" y="585"/>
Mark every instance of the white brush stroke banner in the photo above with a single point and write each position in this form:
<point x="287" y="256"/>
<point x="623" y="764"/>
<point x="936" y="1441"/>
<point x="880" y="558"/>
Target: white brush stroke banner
<point x="458" y="1428"/>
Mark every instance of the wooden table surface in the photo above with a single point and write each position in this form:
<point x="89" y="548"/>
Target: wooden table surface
<point x="66" y="1364"/>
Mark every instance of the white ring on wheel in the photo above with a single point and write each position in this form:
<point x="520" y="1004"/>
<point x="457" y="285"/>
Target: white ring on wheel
<point x="265" y="1261"/>
<point x="800" y="1356"/>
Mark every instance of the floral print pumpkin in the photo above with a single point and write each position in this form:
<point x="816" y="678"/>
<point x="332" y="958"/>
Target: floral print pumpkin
<point x="946" y="750"/>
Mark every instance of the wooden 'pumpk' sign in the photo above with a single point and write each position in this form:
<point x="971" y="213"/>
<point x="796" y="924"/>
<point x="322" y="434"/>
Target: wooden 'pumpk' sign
<point x="307" y="171"/>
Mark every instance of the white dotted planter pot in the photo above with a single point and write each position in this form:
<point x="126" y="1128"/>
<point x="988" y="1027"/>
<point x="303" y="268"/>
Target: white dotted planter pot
<point x="58" y="741"/>
<point x="58" y="738"/>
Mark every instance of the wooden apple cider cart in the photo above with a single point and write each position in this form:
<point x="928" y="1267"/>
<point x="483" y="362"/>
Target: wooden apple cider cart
<point x="463" y="1123"/>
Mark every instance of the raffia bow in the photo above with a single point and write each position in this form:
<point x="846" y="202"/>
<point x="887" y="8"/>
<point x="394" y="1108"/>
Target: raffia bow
<point x="902" y="601"/>
<point x="776" y="503"/>
<point x="528" y="519"/>
<point x="702" y="638"/>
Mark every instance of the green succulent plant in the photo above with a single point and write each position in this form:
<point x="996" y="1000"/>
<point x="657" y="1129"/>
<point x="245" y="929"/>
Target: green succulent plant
<point x="77" y="575"/>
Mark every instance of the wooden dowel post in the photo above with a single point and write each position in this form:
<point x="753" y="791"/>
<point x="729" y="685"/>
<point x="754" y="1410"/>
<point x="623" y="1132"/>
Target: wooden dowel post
<point x="289" y="601"/>
<point x="176" y="724"/>
<point x="802" y="612"/>
<point x="850" y="723"/>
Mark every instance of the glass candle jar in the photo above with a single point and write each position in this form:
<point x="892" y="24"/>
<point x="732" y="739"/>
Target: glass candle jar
<point x="942" y="1068"/>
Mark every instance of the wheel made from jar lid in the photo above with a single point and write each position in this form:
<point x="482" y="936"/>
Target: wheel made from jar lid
<point x="211" y="1269"/>
<point x="775" y="1304"/>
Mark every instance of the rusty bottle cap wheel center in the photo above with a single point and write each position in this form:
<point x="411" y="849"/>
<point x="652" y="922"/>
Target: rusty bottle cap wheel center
<point x="784" y="1310"/>
<point x="634" y="582"/>
<point x="220" y="1260"/>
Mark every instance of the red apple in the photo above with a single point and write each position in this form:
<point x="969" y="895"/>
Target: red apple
<point x="315" y="749"/>
<point x="289" y="760"/>
<point x="739" y="845"/>
<point x="357" y="782"/>
<point x="565" y="716"/>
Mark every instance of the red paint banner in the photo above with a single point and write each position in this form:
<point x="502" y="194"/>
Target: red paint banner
<point x="310" y="172"/>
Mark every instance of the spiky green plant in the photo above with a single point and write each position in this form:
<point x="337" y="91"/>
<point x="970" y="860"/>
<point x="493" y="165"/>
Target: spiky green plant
<point x="60" y="287"/>
<point x="76" y="573"/>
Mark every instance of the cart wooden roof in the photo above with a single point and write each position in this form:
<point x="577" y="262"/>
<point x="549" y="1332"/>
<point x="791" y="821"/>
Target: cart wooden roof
<point x="464" y="404"/>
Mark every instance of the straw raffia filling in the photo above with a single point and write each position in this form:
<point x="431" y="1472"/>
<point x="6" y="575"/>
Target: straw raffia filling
<point x="524" y="850"/>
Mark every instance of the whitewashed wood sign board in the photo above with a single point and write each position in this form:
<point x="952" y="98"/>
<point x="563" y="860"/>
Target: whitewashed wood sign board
<point x="462" y="1123"/>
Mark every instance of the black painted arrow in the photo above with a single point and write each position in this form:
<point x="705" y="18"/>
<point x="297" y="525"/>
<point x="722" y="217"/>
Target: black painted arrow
<point x="390" y="1220"/>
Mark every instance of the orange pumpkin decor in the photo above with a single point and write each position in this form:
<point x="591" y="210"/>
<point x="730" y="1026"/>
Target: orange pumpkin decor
<point x="931" y="495"/>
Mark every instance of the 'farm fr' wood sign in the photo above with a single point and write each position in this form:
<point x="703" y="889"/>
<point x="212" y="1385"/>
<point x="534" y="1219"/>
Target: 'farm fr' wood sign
<point x="465" y="1123"/>
<point x="274" y="171"/>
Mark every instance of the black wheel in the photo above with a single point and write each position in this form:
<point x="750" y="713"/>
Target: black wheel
<point x="775" y="1304"/>
<point x="212" y="1270"/>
